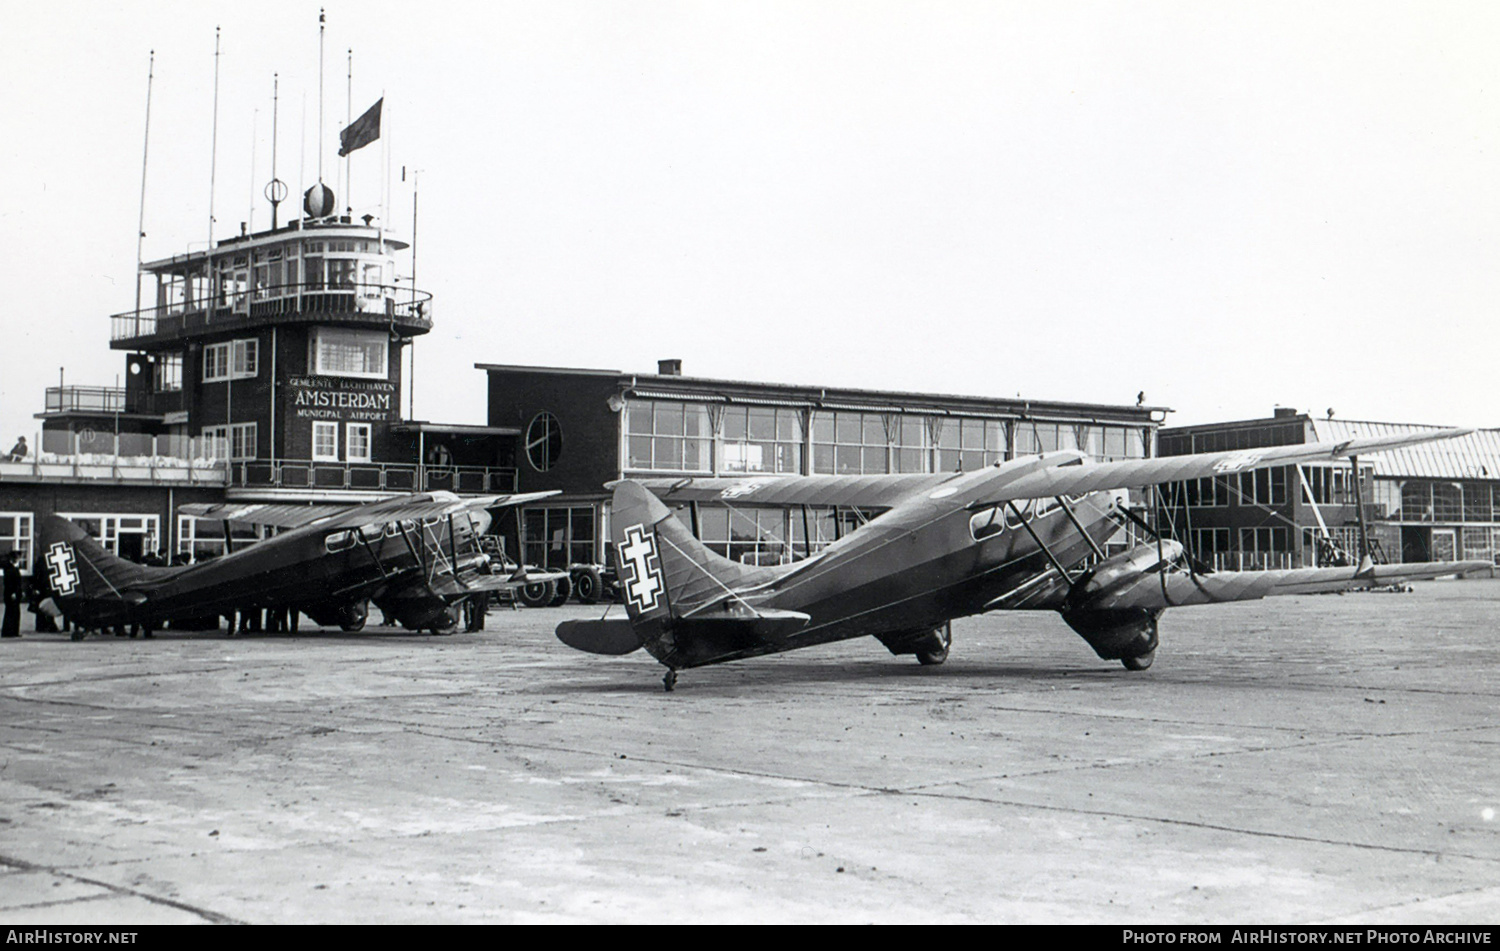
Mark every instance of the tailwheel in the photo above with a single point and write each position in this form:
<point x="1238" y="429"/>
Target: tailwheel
<point x="669" y="680"/>
<point x="1139" y="662"/>
<point x="943" y="636"/>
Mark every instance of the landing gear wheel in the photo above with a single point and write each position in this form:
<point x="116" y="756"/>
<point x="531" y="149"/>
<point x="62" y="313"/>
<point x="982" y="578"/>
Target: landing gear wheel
<point x="934" y="657"/>
<point x="669" y="680"/>
<point x="537" y="595"/>
<point x="564" y="588"/>
<point x="587" y="585"/>
<point x="446" y="621"/>
<point x="1140" y="662"/>
<point x="354" y="616"/>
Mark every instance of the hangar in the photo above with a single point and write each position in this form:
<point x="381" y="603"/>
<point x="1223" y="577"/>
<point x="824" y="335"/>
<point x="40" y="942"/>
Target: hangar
<point x="583" y="428"/>
<point x="1434" y="502"/>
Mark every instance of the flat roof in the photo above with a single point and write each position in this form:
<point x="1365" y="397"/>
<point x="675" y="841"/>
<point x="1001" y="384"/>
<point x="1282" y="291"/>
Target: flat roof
<point x="672" y="386"/>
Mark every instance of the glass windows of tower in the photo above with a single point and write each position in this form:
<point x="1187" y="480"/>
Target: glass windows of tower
<point x="353" y="353"/>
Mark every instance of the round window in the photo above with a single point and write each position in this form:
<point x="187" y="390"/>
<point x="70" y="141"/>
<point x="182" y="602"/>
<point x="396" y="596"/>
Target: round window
<point x="543" y="442"/>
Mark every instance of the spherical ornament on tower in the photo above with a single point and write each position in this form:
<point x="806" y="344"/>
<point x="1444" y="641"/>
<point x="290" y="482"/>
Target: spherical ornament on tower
<point x="318" y="202"/>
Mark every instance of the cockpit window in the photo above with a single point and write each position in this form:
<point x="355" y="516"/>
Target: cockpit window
<point x="987" y="523"/>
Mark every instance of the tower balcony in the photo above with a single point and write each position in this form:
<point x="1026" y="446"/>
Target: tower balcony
<point x="405" y="311"/>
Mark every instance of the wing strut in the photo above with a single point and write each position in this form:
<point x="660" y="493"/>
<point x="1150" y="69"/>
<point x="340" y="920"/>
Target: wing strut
<point x="373" y="556"/>
<point x="1068" y="510"/>
<point x="1026" y="524"/>
<point x="453" y="551"/>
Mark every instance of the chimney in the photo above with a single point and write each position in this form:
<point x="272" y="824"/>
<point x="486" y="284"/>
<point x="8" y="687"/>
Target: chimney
<point x="669" y="367"/>
<point x="1283" y="412"/>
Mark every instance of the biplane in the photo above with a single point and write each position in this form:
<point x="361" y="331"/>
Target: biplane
<point x="417" y="557"/>
<point x="1025" y="534"/>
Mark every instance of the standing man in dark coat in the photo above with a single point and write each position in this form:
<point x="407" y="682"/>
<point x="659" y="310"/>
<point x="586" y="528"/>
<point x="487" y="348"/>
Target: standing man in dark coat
<point x="11" y="627"/>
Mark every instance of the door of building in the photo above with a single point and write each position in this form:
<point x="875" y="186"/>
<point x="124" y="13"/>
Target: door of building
<point x="1444" y="544"/>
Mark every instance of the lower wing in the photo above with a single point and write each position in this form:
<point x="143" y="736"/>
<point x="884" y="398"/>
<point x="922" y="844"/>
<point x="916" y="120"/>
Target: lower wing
<point x="1180" y="588"/>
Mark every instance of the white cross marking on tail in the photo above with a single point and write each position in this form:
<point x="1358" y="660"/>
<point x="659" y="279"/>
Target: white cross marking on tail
<point x="64" y="578"/>
<point x="644" y="585"/>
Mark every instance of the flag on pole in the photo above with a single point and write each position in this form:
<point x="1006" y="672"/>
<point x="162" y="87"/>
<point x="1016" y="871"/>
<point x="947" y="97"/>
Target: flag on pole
<point x="361" y="131"/>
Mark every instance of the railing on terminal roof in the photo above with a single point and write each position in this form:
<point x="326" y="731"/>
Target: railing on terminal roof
<point x="371" y="476"/>
<point x="99" y="455"/>
<point x="89" y="399"/>
<point x="404" y="304"/>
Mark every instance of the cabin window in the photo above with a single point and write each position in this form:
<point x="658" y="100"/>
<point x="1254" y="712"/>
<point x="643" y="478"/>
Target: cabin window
<point x="987" y="523"/>
<point x="339" y="541"/>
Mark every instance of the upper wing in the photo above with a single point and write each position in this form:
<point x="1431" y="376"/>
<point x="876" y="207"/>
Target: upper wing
<point x="434" y="505"/>
<point x="864" y="491"/>
<point x="1052" y="481"/>
<point x="280" y="515"/>
<point x="335" y="517"/>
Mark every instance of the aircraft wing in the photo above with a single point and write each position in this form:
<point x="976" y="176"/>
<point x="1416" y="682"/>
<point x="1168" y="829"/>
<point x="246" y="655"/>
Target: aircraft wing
<point x="476" y="583"/>
<point x="336" y="517"/>
<point x="1083" y="477"/>
<point x="1153" y="591"/>
<point x="1181" y="588"/>
<point x="279" y="515"/>
<point x="861" y="491"/>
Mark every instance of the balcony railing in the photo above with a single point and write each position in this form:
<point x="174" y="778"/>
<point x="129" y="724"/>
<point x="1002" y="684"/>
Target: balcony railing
<point x="371" y="476"/>
<point x="87" y="399"/>
<point x="92" y="455"/>
<point x="406" y="306"/>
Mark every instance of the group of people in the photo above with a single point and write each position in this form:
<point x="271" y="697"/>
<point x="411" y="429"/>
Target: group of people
<point x="17" y="592"/>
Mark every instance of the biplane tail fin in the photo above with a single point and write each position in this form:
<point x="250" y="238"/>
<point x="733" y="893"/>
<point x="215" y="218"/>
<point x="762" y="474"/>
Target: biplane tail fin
<point x="676" y="591"/>
<point x="86" y="582"/>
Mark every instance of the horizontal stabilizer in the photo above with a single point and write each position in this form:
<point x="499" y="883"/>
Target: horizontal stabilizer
<point x="614" y="636"/>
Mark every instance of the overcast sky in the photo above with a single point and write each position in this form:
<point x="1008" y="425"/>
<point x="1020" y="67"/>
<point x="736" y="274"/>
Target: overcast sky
<point x="1228" y="206"/>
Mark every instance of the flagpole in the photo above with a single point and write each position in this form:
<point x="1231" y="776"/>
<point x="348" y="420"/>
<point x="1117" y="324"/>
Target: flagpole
<point x="322" y="19"/>
<point x="349" y="118"/>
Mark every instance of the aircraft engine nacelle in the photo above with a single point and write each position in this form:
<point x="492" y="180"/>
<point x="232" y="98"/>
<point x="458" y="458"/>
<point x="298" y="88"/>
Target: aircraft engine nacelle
<point x="348" y="616"/>
<point x="1126" y="566"/>
<point x="418" y="610"/>
<point x="1124" y="634"/>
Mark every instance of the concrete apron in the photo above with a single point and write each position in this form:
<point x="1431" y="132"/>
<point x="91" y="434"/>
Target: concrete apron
<point x="1319" y="759"/>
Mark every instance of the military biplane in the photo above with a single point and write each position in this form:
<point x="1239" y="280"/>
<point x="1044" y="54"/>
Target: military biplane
<point x="1025" y="534"/>
<point x="416" y="557"/>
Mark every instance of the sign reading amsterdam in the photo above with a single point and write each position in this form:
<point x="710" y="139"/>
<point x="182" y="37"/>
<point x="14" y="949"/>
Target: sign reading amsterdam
<point x="317" y="397"/>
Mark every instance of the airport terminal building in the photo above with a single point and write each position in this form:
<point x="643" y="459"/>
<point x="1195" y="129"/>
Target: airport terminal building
<point x="584" y="428"/>
<point x="1437" y="501"/>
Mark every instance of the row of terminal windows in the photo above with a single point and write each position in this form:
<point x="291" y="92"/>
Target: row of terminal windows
<point x="666" y="435"/>
<point x="1411" y="500"/>
<point x="331" y="351"/>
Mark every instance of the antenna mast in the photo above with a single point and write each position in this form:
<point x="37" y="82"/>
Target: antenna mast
<point x="213" y="149"/>
<point x="140" y="226"/>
